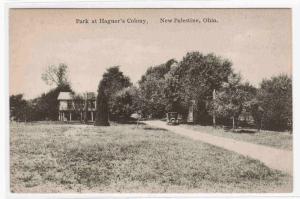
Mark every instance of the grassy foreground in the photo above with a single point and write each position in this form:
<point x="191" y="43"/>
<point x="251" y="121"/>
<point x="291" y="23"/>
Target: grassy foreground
<point x="123" y="158"/>
<point x="280" y="140"/>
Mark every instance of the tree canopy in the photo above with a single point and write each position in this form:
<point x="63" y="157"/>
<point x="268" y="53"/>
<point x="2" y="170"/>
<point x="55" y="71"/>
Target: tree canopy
<point x="18" y="107"/>
<point x="172" y="86"/>
<point x="275" y="99"/>
<point x="152" y="86"/>
<point x="46" y="105"/>
<point x="113" y="80"/>
<point x="205" y="80"/>
<point x="57" y="75"/>
<point x="232" y="99"/>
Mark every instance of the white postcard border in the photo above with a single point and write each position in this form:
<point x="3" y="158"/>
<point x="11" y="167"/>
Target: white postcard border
<point x="4" y="92"/>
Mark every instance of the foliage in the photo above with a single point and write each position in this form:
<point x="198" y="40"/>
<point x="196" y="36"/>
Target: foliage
<point x="270" y="106"/>
<point x="172" y="91"/>
<point x="18" y="108"/>
<point x="57" y="75"/>
<point x="228" y="102"/>
<point x="45" y="107"/>
<point x="152" y="86"/>
<point x="232" y="99"/>
<point x="41" y="108"/>
<point x="79" y="106"/>
<point x="124" y="103"/>
<point x="257" y="112"/>
<point x="102" y="108"/>
<point x="172" y="86"/>
<point x="112" y="81"/>
<point x="47" y="104"/>
<point x="275" y="99"/>
<point x="199" y="75"/>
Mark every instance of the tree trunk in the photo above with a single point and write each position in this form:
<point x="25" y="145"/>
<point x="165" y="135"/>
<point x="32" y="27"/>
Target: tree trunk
<point x="214" y="121"/>
<point x="214" y="112"/>
<point x="86" y="110"/>
<point x="260" y="124"/>
<point x="233" y="123"/>
<point x="102" y="110"/>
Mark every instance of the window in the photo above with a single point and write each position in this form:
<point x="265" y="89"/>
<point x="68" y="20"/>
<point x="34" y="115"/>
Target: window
<point x="92" y="104"/>
<point x="70" y="105"/>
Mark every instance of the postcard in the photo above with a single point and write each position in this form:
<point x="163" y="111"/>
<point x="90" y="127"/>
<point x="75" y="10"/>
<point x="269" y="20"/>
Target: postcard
<point x="150" y="100"/>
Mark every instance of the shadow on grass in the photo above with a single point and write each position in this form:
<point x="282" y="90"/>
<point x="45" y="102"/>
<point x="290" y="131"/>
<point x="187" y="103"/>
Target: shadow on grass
<point x="128" y="122"/>
<point x="247" y="131"/>
<point x="239" y="131"/>
<point x="154" y="129"/>
<point x="75" y="122"/>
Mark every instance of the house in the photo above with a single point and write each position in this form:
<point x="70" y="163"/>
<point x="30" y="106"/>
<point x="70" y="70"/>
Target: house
<point x="73" y="107"/>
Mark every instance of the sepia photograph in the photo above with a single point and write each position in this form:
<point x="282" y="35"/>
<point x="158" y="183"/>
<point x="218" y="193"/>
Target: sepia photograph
<point x="155" y="100"/>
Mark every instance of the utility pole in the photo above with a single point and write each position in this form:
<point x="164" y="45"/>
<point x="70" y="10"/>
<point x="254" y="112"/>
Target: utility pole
<point x="86" y="109"/>
<point x="214" y="111"/>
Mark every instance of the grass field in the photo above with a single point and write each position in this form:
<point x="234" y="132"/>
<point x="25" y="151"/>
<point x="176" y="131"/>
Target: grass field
<point x="281" y="140"/>
<point x="123" y="158"/>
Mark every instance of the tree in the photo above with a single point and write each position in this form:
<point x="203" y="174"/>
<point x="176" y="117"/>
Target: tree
<point x="199" y="75"/>
<point x="257" y="112"/>
<point x="46" y="106"/>
<point x="113" y="80"/>
<point x="152" y="89"/>
<point x="102" y="108"/>
<point x="231" y="99"/>
<point x="172" y="86"/>
<point x="57" y="75"/>
<point x="172" y="89"/>
<point x="124" y="103"/>
<point x="275" y="99"/>
<point x="80" y="106"/>
<point x="18" y="108"/>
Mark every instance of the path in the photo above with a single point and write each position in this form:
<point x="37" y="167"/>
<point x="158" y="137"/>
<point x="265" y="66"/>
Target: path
<point x="274" y="158"/>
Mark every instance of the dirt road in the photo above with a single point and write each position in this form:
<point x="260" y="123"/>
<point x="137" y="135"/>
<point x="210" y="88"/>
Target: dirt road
<point x="274" y="158"/>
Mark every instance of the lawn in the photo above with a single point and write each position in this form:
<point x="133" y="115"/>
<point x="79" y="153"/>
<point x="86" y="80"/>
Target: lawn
<point x="123" y="158"/>
<point x="281" y="140"/>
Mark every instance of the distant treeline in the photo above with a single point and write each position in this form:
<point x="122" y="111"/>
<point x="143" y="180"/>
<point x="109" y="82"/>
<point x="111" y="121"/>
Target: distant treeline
<point x="44" y="107"/>
<point x="207" y="82"/>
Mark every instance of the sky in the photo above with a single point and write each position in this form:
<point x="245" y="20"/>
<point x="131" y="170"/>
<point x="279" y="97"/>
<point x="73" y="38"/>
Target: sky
<point x="257" y="41"/>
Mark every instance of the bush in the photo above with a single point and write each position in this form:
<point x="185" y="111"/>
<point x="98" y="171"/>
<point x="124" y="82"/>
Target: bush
<point x="122" y="104"/>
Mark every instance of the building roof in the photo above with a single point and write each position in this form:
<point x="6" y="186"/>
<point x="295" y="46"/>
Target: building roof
<point x="69" y="96"/>
<point x="64" y="96"/>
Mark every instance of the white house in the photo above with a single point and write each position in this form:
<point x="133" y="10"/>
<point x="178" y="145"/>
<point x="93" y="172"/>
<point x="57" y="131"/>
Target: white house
<point x="76" y="107"/>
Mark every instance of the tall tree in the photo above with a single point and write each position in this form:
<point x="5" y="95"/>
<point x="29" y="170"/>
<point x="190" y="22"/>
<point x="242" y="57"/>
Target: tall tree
<point x="47" y="104"/>
<point x="231" y="99"/>
<point x="80" y="107"/>
<point x="257" y="112"/>
<point x="172" y="89"/>
<point x="199" y="75"/>
<point x="113" y="80"/>
<point x="124" y="103"/>
<point x="275" y="99"/>
<point x="152" y="88"/>
<point x="18" y="108"/>
<point x="102" y="108"/>
<point x="57" y="75"/>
